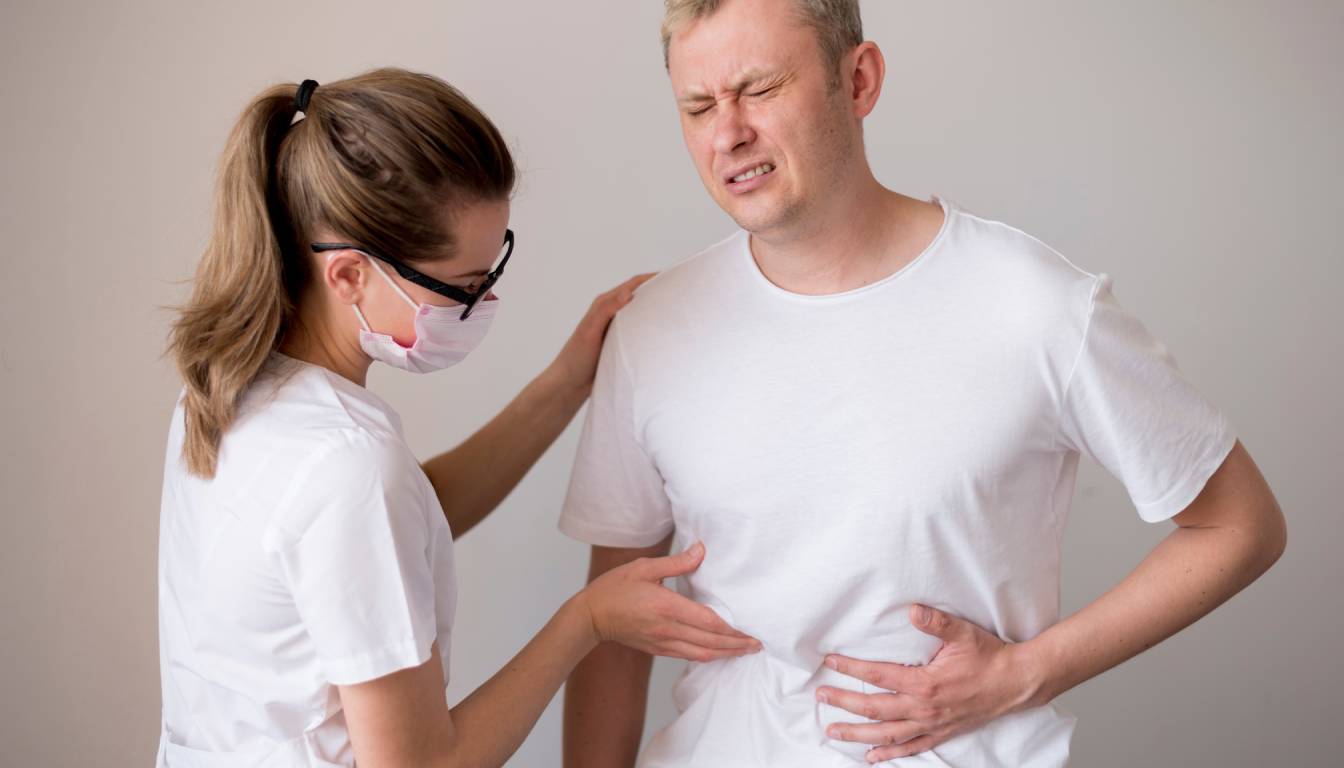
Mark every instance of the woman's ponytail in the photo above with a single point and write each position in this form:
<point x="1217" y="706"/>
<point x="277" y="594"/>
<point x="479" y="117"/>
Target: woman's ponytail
<point x="239" y="305"/>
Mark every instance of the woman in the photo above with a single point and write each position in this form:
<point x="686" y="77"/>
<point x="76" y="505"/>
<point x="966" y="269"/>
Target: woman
<point x="306" y="558"/>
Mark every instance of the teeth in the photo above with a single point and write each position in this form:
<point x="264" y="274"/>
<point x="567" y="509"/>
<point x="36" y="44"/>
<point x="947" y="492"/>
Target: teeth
<point x="759" y="170"/>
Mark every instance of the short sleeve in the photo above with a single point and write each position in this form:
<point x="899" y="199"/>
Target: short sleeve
<point x="616" y="496"/>
<point x="356" y="555"/>
<point x="1128" y="406"/>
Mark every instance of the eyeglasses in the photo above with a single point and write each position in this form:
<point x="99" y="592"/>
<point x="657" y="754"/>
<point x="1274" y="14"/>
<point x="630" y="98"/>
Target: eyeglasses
<point x="460" y="295"/>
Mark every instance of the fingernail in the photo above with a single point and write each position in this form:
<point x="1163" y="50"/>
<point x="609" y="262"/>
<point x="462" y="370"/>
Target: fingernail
<point x="925" y="615"/>
<point x="823" y="698"/>
<point x="833" y="732"/>
<point x="832" y="662"/>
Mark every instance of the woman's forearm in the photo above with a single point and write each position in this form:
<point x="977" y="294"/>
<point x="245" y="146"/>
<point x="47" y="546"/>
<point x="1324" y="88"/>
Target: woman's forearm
<point x="492" y="722"/>
<point x="472" y="479"/>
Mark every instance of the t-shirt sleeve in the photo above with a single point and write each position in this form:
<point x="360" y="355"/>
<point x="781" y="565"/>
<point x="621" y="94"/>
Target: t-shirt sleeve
<point x="616" y="496"/>
<point x="357" y="557"/>
<point x="1128" y="406"/>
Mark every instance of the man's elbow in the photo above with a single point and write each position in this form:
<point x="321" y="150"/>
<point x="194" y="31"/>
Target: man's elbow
<point x="1263" y="541"/>
<point x="1274" y="539"/>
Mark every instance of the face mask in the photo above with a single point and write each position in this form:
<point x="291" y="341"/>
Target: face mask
<point x="442" y="338"/>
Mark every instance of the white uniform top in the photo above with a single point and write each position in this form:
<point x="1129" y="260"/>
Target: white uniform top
<point x="317" y="556"/>
<point x="845" y="456"/>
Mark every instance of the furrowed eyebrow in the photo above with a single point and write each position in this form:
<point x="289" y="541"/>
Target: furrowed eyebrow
<point x="743" y="81"/>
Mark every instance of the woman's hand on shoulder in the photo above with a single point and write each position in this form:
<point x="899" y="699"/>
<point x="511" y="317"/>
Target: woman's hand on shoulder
<point x="629" y="605"/>
<point x="576" y="365"/>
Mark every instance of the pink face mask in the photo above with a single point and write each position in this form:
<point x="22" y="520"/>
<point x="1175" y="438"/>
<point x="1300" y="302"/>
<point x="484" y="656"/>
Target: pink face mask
<point x="442" y="338"/>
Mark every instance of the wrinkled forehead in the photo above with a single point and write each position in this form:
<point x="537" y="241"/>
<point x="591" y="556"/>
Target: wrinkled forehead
<point x="717" y="53"/>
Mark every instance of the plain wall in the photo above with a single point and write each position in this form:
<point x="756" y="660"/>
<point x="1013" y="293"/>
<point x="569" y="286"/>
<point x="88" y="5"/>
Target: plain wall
<point x="1189" y="148"/>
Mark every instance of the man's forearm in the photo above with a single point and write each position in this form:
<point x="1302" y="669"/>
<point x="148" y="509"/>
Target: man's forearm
<point x="473" y="478"/>
<point x="1192" y="571"/>
<point x="605" y="700"/>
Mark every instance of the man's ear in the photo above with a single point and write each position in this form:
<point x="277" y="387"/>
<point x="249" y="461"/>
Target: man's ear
<point x="345" y="274"/>
<point x="867" y="70"/>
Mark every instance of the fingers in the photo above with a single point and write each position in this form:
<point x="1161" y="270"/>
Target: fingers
<point x="680" y="564"/>
<point x="694" y="614"/>
<point x="625" y="292"/>
<point x="887" y="676"/>
<point x="912" y="747"/>
<point x="628" y="288"/>
<point x="932" y="621"/>
<point x="737" y="642"/>
<point x="680" y="649"/>
<point x="877" y="734"/>
<point x="606" y="305"/>
<point x="882" y="707"/>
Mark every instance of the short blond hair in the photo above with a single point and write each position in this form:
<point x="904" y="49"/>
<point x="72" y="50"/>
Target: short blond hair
<point x="837" y="23"/>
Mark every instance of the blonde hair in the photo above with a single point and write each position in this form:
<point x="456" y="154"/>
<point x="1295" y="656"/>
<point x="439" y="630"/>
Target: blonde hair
<point x="837" y="24"/>
<point x="379" y="159"/>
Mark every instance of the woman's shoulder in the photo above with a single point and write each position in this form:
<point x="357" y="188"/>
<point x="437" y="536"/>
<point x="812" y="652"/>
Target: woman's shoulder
<point x="350" y="474"/>
<point x="308" y="401"/>
<point x="302" y="442"/>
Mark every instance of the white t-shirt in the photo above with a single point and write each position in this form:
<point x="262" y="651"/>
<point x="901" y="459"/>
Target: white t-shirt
<point x="845" y="456"/>
<point x="317" y="556"/>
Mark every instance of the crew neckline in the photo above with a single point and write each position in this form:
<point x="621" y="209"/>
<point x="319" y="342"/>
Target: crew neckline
<point x="284" y="363"/>
<point x="744" y="244"/>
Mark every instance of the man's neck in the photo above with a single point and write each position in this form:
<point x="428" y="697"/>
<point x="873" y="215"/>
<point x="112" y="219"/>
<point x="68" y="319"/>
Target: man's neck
<point x="859" y="239"/>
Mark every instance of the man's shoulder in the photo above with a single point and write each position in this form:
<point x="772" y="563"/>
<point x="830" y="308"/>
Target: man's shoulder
<point x="699" y="268"/>
<point x="998" y="255"/>
<point x="1015" y="248"/>
<point x="680" y="287"/>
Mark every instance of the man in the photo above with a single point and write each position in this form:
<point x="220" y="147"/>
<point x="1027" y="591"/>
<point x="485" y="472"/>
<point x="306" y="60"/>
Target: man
<point x="870" y="409"/>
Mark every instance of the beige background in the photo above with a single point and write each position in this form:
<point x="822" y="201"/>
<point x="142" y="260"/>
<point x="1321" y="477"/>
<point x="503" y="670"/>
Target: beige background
<point x="1191" y="149"/>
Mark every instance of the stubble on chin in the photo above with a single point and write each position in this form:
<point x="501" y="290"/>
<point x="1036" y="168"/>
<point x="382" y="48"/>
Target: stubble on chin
<point x="763" y="217"/>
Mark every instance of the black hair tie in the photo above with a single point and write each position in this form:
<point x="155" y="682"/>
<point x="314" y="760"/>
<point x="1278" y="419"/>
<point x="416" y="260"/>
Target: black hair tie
<point x="304" y="95"/>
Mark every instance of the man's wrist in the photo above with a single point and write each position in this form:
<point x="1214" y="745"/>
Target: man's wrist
<point x="1037" y="668"/>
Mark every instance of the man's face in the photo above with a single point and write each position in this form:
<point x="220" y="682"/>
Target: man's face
<point x="768" y="131"/>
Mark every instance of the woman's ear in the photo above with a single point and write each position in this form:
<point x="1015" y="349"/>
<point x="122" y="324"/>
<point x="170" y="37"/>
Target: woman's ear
<point x="344" y="273"/>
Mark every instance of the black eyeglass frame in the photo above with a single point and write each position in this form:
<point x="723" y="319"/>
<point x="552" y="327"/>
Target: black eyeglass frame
<point x="461" y="295"/>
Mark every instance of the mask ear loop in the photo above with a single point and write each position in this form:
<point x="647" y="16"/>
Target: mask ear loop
<point x="414" y="305"/>
<point x="374" y="263"/>
<point x="360" y="315"/>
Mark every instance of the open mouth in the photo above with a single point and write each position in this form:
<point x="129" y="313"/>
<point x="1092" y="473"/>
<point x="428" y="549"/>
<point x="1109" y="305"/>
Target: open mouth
<point x="751" y="173"/>
<point x="750" y="178"/>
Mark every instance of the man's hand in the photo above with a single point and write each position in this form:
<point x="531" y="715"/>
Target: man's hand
<point x="974" y="678"/>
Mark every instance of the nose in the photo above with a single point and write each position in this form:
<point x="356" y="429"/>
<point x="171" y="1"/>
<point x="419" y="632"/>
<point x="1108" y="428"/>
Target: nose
<point x="731" y="129"/>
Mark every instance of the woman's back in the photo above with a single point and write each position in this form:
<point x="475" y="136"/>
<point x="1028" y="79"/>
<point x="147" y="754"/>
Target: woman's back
<point x="317" y="555"/>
